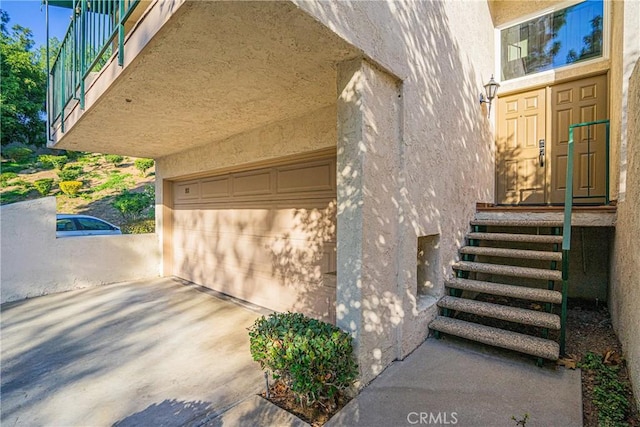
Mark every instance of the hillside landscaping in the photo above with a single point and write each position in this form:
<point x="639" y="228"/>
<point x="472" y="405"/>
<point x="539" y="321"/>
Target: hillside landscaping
<point x="115" y="188"/>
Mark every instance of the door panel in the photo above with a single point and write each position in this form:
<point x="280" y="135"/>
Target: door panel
<point x="576" y="102"/>
<point x="520" y="175"/>
<point x="522" y="122"/>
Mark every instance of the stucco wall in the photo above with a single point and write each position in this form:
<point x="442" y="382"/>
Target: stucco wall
<point x="427" y="184"/>
<point x="35" y="262"/>
<point x="422" y="177"/>
<point x="624" y="300"/>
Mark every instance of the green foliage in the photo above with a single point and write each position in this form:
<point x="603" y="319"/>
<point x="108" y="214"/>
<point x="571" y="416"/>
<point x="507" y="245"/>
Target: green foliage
<point x="609" y="393"/>
<point x="43" y="185"/>
<point x="70" y="188"/>
<point x="132" y="206"/>
<point x="314" y="359"/>
<point x="5" y="177"/>
<point x="49" y="161"/>
<point x="116" y="181"/>
<point x="143" y="165"/>
<point x="17" y="154"/>
<point x="70" y="173"/>
<point x="116" y="159"/>
<point x="140" y="227"/>
<point x="22" y="86"/>
<point x="16" y="195"/>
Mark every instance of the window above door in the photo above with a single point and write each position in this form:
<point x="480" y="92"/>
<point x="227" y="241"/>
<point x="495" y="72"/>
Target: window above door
<point x="556" y="39"/>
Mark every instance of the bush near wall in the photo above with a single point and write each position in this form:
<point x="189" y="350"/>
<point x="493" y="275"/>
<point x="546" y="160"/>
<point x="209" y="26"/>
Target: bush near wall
<point x="139" y="227"/>
<point x="312" y="358"/>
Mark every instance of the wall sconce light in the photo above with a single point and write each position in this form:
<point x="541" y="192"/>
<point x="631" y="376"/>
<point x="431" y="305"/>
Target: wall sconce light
<point x="491" y="89"/>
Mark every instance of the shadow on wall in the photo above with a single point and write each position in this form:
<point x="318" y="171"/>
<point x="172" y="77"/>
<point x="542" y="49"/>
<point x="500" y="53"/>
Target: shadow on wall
<point x="274" y="255"/>
<point x="444" y="164"/>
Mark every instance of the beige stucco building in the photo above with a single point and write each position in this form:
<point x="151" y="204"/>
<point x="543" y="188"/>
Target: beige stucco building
<point x="307" y="151"/>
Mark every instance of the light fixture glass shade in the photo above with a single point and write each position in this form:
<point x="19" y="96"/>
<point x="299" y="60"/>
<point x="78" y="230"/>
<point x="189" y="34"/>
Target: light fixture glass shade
<point x="491" y="88"/>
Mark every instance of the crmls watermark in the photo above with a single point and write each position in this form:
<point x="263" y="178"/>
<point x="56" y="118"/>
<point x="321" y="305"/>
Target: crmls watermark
<point x="432" y="418"/>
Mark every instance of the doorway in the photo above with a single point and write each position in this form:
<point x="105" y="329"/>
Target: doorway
<point x="531" y="148"/>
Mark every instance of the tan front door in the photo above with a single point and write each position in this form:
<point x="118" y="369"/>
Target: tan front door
<point x="522" y="175"/>
<point x="578" y="102"/>
<point x="521" y="125"/>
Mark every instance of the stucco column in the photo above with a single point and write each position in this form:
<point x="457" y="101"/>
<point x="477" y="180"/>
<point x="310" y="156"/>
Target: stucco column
<point x="368" y="157"/>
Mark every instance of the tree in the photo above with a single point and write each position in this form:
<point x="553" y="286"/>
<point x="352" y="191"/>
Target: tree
<point x="592" y="43"/>
<point x="22" y="86"/>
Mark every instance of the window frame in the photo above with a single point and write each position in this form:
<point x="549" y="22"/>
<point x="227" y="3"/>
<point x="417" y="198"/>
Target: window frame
<point x="606" y="38"/>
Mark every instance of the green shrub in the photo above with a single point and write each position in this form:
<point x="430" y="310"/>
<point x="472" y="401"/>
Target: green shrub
<point x="18" y="154"/>
<point x="5" y="177"/>
<point x="143" y="165"/>
<point x="115" y="181"/>
<point x="70" y="173"/>
<point x="140" y="227"/>
<point x="43" y="185"/>
<point x="132" y="205"/>
<point x="49" y="161"/>
<point x="70" y="188"/>
<point x="114" y="158"/>
<point x="314" y="359"/>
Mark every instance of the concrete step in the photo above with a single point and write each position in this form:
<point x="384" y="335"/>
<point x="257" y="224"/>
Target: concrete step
<point x="502" y="312"/>
<point x="527" y="344"/>
<point x="517" y="223"/>
<point x="512" y="253"/>
<point x="521" y="292"/>
<point x="508" y="237"/>
<point x="509" y="270"/>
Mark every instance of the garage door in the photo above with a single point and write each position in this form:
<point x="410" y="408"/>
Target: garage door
<point x="267" y="236"/>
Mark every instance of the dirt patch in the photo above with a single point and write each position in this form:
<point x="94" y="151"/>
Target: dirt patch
<point x="589" y="329"/>
<point x="315" y="415"/>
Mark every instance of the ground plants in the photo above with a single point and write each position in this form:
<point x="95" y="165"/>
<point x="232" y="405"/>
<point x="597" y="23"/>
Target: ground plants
<point x="139" y="227"/>
<point x="70" y="188"/>
<point x="70" y="173"/>
<point x="143" y="165"/>
<point x="115" y="159"/>
<point x="5" y="177"/>
<point x="17" y="154"/>
<point x="312" y="358"/>
<point x="609" y="393"/>
<point x="50" y="161"/>
<point x="115" y="181"/>
<point x="43" y="186"/>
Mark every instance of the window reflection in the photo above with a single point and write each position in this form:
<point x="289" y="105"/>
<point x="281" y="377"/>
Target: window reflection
<point x="559" y="38"/>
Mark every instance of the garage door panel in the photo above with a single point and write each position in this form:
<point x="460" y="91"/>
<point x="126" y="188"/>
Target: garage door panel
<point x="267" y="236"/>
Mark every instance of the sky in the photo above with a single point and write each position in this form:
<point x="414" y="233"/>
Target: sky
<point x="31" y="14"/>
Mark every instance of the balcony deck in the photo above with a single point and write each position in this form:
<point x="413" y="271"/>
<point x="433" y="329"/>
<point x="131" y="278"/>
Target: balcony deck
<point x="199" y="72"/>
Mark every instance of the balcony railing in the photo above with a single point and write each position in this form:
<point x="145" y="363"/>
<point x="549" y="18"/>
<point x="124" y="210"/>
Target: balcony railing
<point x="95" y="34"/>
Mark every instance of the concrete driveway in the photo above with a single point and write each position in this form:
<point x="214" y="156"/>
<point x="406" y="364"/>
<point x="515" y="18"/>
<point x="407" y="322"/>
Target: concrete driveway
<point x="142" y="353"/>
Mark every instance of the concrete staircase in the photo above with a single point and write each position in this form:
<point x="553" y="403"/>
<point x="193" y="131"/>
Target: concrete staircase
<point x="514" y="262"/>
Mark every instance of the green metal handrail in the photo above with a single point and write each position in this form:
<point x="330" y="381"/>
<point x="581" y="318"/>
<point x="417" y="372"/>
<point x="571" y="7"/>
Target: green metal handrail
<point x="568" y="207"/>
<point x="96" y="31"/>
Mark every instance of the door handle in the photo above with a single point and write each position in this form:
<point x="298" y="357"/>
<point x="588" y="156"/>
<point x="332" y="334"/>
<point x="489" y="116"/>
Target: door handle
<point x="541" y="152"/>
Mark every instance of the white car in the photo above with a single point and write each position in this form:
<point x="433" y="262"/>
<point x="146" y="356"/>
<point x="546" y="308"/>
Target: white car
<point x="83" y="225"/>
